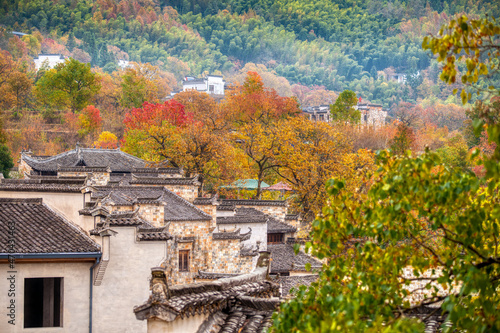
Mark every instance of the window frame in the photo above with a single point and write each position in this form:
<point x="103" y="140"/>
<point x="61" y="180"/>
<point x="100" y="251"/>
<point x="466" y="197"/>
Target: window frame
<point x="275" y="238"/>
<point x="45" y="307"/>
<point x="184" y="260"/>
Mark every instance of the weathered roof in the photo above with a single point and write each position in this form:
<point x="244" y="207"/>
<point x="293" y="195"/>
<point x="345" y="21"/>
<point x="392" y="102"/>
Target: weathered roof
<point x="232" y="303"/>
<point x="115" y="159"/>
<point x="213" y="276"/>
<point x="289" y="282"/>
<point x="244" y="215"/>
<point x="231" y="235"/>
<point x="138" y="180"/>
<point x="205" y="201"/>
<point x="284" y="259"/>
<point x="291" y="216"/>
<point x="145" y="230"/>
<point x="38" y="229"/>
<point x="43" y="185"/>
<point x="175" y="207"/>
<point x="252" y="202"/>
<point x="276" y="226"/>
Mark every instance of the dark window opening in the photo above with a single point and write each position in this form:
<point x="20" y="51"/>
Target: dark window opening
<point x="184" y="260"/>
<point x="274" y="238"/>
<point x="211" y="88"/>
<point x="43" y="302"/>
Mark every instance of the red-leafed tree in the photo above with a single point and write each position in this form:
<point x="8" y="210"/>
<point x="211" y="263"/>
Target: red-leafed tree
<point x="151" y="114"/>
<point x="89" y="121"/>
<point x="194" y="137"/>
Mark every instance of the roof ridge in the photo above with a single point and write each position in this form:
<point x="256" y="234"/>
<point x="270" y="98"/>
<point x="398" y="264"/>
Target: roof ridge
<point x="35" y="201"/>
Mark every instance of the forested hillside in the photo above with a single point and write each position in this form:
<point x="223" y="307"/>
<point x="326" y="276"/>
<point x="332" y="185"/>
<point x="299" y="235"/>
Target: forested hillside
<point x="336" y="44"/>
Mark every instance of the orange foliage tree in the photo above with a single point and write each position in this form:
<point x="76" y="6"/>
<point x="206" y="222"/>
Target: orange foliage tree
<point x="255" y="111"/>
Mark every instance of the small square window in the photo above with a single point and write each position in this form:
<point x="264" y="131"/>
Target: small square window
<point x="43" y="302"/>
<point x="184" y="260"/>
<point x="275" y="238"/>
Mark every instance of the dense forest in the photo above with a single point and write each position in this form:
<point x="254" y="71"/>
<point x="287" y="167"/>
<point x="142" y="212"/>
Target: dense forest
<point x="310" y="52"/>
<point x="336" y="45"/>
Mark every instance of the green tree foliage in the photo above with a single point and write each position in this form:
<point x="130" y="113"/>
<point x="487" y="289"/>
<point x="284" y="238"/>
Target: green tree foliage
<point x="343" y="111"/>
<point x="5" y="160"/>
<point x="477" y="39"/>
<point x="69" y="85"/>
<point x="417" y="214"/>
<point x="336" y="44"/>
<point x="438" y="222"/>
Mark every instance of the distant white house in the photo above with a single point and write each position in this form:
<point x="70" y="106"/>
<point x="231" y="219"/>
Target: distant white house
<point x="211" y="84"/>
<point x="51" y="60"/>
<point x="123" y="63"/>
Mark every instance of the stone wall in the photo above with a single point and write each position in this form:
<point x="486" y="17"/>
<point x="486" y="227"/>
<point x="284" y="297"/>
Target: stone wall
<point x="193" y="236"/>
<point x="188" y="192"/>
<point x="24" y="168"/>
<point x="94" y="178"/>
<point x="153" y="213"/>
<point x="227" y="259"/>
<point x="120" y="209"/>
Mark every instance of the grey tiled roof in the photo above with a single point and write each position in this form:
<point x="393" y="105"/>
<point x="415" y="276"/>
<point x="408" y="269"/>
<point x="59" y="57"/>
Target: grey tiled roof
<point x="43" y="185"/>
<point x="38" y="229"/>
<point x="276" y="226"/>
<point x="289" y="282"/>
<point x="175" y="207"/>
<point x="231" y="235"/>
<point x="163" y="181"/>
<point x="244" y="215"/>
<point x="205" y="201"/>
<point x="291" y="216"/>
<point x="284" y="259"/>
<point x="89" y="157"/>
<point x="241" y="202"/>
<point x="158" y="170"/>
<point x="235" y="304"/>
<point x="213" y="276"/>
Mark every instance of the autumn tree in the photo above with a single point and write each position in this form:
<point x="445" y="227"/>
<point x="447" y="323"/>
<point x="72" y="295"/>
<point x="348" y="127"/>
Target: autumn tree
<point x="255" y="111"/>
<point x="343" y="111"/>
<point x="425" y="234"/>
<point x="106" y="140"/>
<point x="90" y="121"/>
<point x="144" y="83"/>
<point x="194" y="137"/>
<point x="69" y="85"/>
<point x="309" y="153"/>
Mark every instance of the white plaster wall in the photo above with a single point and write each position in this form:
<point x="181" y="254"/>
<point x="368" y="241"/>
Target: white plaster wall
<point x="186" y="325"/>
<point x="51" y="61"/>
<point x="66" y="204"/>
<point x="200" y="86"/>
<point x="218" y="83"/>
<point x="259" y="232"/>
<point x="75" y="295"/>
<point x="126" y="282"/>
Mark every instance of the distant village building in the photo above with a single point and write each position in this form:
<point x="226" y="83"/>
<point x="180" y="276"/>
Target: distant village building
<point x="106" y="219"/>
<point x="49" y="60"/>
<point x="371" y="114"/>
<point x="211" y="84"/>
<point x="123" y="63"/>
<point x="318" y="113"/>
